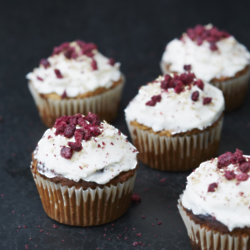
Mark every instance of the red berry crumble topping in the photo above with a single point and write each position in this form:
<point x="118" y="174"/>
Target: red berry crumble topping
<point x="45" y="63"/>
<point x="241" y="165"/>
<point x="178" y="82"/>
<point x="70" y="51"/>
<point x="77" y="126"/>
<point x="212" y="35"/>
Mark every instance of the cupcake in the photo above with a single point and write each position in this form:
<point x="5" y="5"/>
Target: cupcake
<point x="175" y="121"/>
<point x="215" y="205"/>
<point x="76" y="78"/>
<point x="215" y="56"/>
<point x="84" y="171"/>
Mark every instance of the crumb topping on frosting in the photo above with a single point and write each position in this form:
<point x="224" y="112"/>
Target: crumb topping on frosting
<point x="83" y="148"/>
<point x="211" y="52"/>
<point x="221" y="188"/>
<point x="178" y="103"/>
<point x="74" y="68"/>
<point x="208" y="33"/>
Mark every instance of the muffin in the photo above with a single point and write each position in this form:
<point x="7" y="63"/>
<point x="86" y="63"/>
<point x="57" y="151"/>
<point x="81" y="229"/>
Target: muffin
<point x="76" y="78"/>
<point x="215" y="56"/>
<point x="84" y="171"/>
<point x="175" y="121"/>
<point x="215" y="205"/>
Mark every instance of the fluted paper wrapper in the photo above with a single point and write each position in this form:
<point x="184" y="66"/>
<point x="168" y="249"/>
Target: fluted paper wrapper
<point x="208" y="239"/>
<point x="234" y="90"/>
<point x="79" y="207"/>
<point x="176" y="153"/>
<point x="105" y="105"/>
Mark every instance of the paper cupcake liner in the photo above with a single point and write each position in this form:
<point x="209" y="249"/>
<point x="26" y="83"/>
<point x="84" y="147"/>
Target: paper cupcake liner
<point x="105" y="105"/>
<point x="89" y="207"/>
<point x="234" y="90"/>
<point x="204" y="238"/>
<point x="176" y="153"/>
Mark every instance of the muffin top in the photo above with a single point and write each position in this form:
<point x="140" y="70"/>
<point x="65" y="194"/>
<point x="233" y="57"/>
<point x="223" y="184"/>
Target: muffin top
<point x="212" y="53"/>
<point x="176" y="103"/>
<point x="73" y="69"/>
<point x="221" y="188"/>
<point x="83" y="148"/>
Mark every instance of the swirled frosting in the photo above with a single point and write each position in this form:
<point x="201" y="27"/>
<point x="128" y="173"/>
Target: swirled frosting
<point x="224" y="58"/>
<point x="73" y="69"/>
<point x="177" y="109"/>
<point x="222" y="192"/>
<point x="103" y="153"/>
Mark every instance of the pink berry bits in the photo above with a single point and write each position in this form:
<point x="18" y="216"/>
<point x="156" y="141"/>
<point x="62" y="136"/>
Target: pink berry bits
<point x="212" y="187"/>
<point x="154" y="100"/>
<point x="240" y="164"/>
<point x="212" y="35"/>
<point x="77" y="126"/>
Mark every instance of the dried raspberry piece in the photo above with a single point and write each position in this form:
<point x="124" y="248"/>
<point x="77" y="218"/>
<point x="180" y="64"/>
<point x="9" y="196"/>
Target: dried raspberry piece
<point x="86" y="48"/>
<point x="179" y="87"/>
<point x="242" y="177"/>
<point x="207" y="100"/>
<point x="39" y="78"/>
<point x="79" y="134"/>
<point x="165" y="83"/>
<point x="187" y="67"/>
<point x="70" y="53"/>
<point x="212" y="187"/>
<point x="200" y="84"/>
<point x="111" y="61"/>
<point x="187" y="78"/>
<point x="225" y="159"/>
<point x="136" y="198"/>
<point x="93" y="119"/>
<point x="45" y="63"/>
<point x="62" y="47"/>
<point x="195" y="96"/>
<point x="230" y="175"/>
<point x="66" y="152"/>
<point x="94" y="64"/>
<point x="154" y="100"/>
<point x="76" y="146"/>
<point x="213" y="46"/>
<point x="244" y="167"/>
<point x="238" y="157"/>
<point x="69" y="131"/>
<point x="58" y="73"/>
<point x="64" y="95"/>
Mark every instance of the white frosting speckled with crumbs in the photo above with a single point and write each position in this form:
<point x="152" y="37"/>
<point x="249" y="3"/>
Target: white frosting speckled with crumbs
<point x="175" y="112"/>
<point x="230" y="58"/>
<point x="78" y="75"/>
<point x="93" y="163"/>
<point x="229" y="204"/>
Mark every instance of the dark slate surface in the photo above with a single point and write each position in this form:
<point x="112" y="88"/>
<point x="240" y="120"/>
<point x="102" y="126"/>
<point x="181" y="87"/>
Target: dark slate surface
<point x="135" y="33"/>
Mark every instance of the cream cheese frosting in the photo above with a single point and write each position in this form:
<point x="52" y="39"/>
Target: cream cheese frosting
<point x="175" y="112"/>
<point x="229" y="203"/>
<point x="230" y="57"/>
<point x="101" y="159"/>
<point x="78" y="74"/>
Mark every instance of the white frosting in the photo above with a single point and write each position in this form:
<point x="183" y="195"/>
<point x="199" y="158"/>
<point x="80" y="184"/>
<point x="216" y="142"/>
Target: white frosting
<point x="230" y="58"/>
<point x="93" y="163"/>
<point x="175" y="112"/>
<point x="78" y="75"/>
<point x="229" y="204"/>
